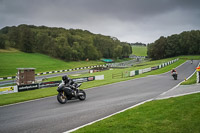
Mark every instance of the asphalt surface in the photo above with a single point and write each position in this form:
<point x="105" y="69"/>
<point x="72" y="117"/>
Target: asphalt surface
<point x="47" y="115"/>
<point x="180" y="91"/>
<point x="47" y="76"/>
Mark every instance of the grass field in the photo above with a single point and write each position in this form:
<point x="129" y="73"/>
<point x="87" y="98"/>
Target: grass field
<point x="139" y="50"/>
<point x="174" y="115"/>
<point x="12" y="59"/>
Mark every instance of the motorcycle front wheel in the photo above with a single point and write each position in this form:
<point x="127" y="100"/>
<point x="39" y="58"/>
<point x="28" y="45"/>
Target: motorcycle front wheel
<point x="61" y="98"/>
<point x="81" y="95"/>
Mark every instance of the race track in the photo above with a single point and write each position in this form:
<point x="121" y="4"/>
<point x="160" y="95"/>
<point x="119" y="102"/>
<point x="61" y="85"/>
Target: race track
<point x="47" y="115"/>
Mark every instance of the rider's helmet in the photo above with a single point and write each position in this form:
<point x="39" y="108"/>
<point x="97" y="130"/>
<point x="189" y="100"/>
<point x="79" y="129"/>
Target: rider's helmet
<point x="173" y="70"/>
<point x="65" y="78"/>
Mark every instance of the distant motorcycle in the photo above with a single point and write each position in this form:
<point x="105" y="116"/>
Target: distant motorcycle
<point x="70" y="92"/>
<point x="175" y="75"/>
<point x="191" y="61"/>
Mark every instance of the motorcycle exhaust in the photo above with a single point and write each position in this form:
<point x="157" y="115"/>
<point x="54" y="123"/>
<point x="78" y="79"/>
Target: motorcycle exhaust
<point x="80" y="94"/>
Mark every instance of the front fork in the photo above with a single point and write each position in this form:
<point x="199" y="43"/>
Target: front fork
<point x="63" y="95"/>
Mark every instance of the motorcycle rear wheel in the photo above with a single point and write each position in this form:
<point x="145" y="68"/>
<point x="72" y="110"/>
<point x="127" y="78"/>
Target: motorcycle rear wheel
<point x="175" y="77"/>
<point x="61" y="99"/>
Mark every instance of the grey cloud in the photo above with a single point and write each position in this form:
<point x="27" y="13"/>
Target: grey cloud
<point x="128" y="20"/>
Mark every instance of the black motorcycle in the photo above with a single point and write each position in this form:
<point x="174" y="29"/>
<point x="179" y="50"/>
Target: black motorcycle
<point x="175" y="75"/>
<point x="70" y="92"/>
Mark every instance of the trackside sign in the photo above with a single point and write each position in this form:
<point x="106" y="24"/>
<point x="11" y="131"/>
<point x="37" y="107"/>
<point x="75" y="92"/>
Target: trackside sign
<point x="28" y="87"/>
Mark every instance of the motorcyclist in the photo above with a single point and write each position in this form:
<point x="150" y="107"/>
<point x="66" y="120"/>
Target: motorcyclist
<point x="173" y="71"/>
<point x="68" y="82"/>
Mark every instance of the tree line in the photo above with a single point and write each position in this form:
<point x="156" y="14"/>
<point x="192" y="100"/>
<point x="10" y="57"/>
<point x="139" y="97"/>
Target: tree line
<point x="186" y="43"/>
<point x="69" y="45"/>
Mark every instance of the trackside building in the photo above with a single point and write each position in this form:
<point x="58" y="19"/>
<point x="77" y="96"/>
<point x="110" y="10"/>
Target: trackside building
<point x="25" y="76"/>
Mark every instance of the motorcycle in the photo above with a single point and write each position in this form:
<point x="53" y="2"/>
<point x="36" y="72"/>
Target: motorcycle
<point x="175" y="75"/>
<point x="70" y="92"/>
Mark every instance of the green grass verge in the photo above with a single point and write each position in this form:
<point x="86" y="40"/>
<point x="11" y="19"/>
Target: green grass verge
<point x="11" y="98"/>
<point x="43" y="63"/>
<point x="190" y="81"/>
<point x="139" y="50"/>
<point x="40" y="93"/>
<point x="193" y="79"/>
<point x="189" y="57"/>
<point x="174" y="115"/>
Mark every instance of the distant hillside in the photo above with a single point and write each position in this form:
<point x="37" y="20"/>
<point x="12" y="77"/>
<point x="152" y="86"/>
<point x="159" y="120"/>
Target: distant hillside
<point x="139" y="50"/>
<point x="186" y="43"/>
<point x="69" y="45"/>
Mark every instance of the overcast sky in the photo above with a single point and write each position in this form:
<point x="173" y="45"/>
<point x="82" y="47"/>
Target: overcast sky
<point x="128" y="20"/>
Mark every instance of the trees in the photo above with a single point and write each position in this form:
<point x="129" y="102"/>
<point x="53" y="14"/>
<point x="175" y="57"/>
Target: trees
<point x="72" y="44"/>
<point x="26" y="40"/>
<point x="186" y="43"/>
<point x="156" y="50"/>
<point x="2" y="41"/>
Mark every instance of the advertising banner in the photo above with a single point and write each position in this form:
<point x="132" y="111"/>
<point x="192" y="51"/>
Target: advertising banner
<point x="80" y="80"/>
<point x="8" y="89"/>
<point x="49" y="84"/>
<point x="84" y="79"/>
<point x="28" y="87"/>
<point x="99" y="77"/>
<point x="91" y="78"/>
